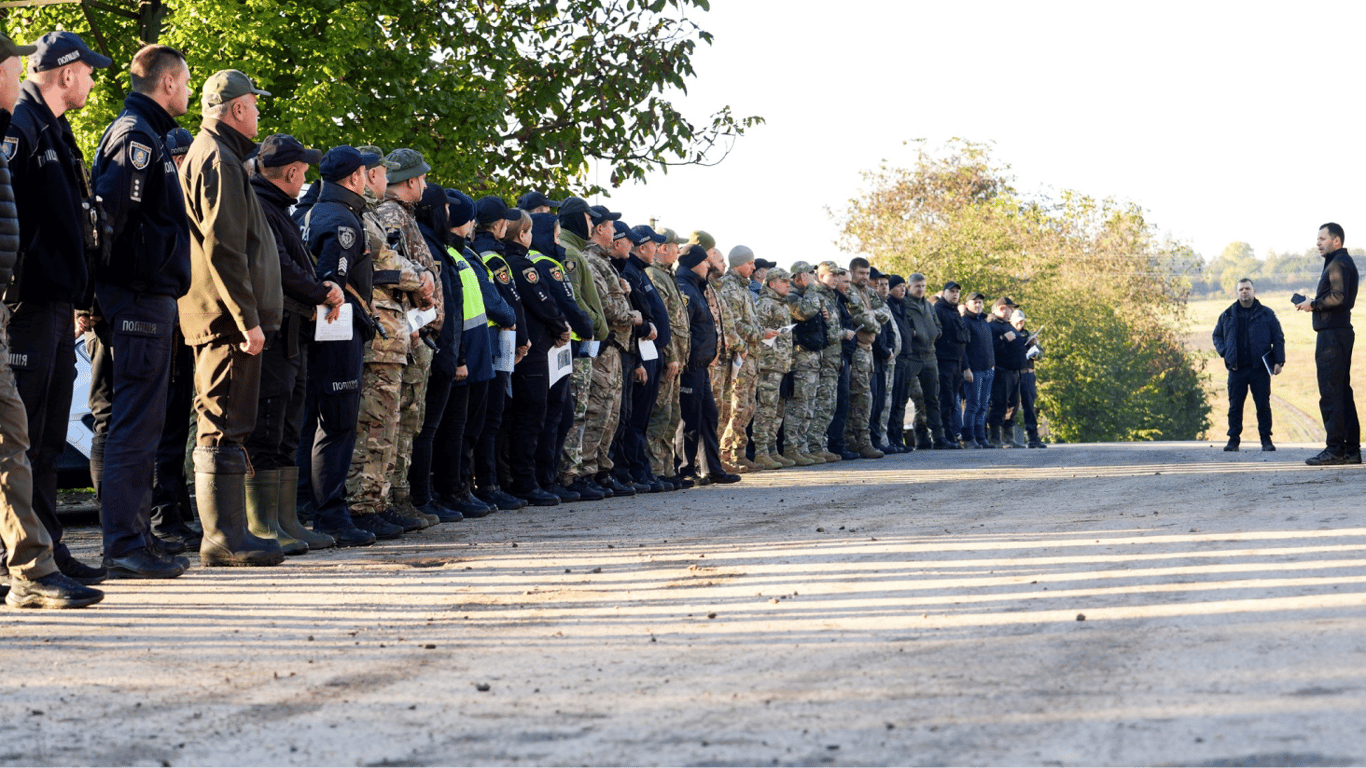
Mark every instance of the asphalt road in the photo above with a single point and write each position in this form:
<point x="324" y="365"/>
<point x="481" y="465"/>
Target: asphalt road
<point x="1115" y="604"/>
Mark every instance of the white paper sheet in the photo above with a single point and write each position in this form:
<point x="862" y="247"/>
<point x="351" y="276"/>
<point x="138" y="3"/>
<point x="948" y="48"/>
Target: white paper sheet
<point x="418" y="318"/>
<point x="507" y="352"/>
<point x="561" y="362"/>
<point x="337" y="330"/>
<point x="648" y="351"/>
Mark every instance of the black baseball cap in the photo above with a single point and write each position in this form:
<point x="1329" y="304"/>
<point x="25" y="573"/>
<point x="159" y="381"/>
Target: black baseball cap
<point x="624" y="230"/>
<point x="10" y="48"/>
<point x="571" y="205"/>
<point x="601" y="214"/>
<point x="282" y="149"/>
<point x="340" y="162"/>
<point x="57" y="49"/>
<point x="178" y="141"/>
<point x="536" y="200"/>
<point x="952" y="286"/>
<point x="492" y="208"/>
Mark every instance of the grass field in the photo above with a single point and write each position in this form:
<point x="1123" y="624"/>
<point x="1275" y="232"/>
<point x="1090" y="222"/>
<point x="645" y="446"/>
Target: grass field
<point x="1294" y="393"/>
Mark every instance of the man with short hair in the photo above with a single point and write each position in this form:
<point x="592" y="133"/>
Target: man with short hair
<point x="741" y="382"/>
<point x="1332" y="310"/>
<point x="980" y="356"/>
<point x="698" y="405"/>
<point x="953" y="369"/>
<point x="924" y="389"/>
<point x="132" y="342"/>
<point x="809" y="337"/>
<point x="901" y="367"/>
<point x="604" y="399"/>
<point x="1009" y="347"/>
<point x="53" y="195"/>
<point x="28" y="572"/>
<point x="774" y="353"/>
<point x="665" y="418"/>
<point x="575" y="232"/>
<point x="234" y="300"/>
<point x="868" y="312"/>
<point x="826" y="400"/>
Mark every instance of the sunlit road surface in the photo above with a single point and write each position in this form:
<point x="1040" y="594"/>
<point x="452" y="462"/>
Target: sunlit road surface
<point x="1094" y="605"/>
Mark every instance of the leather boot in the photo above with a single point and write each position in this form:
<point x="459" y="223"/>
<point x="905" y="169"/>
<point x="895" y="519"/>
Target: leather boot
<point x="830" y="458"/>
<point x="1017" y="438"/>
<point x="923" y="441"/>
<point x="288" y="514"/>
<point x="781" y="459"/>
<point x="263" y="512"/>
<point x="799" y="459"/>
<point x="994" y="436"/>
<point x="768" y="462"/>
<point x="220" y="494"/>
<point x="867" y="451"/>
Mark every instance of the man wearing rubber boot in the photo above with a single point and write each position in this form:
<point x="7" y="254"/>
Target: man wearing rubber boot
<point x="136" y="288"/>
<point x="233" y="303"/>
<point x="271" y="513"/>
<point x="335" y="236"/>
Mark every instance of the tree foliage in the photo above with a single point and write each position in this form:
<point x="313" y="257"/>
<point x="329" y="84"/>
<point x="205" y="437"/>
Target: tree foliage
<point x="500" y="95"/>
<point x="1108" y="290"/>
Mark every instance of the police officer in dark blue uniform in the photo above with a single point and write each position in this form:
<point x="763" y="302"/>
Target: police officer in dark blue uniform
<point x="643" y="395"/>
<point x="697" y="403"/>
<point x="546" y="330"/>
<point x="136" y="288"/>
<point x="56" y="237"/>
<point x="335" y="236"/>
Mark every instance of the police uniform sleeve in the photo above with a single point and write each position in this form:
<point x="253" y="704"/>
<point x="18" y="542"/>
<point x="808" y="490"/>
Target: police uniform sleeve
<point x="508" y="287"/>
<point x="495" y="306"/>
<point x="578" y="320"/>
<point x="299" y="284"/>
<point x="537" y="301"/>
<point x="336" y="261"/>
<point x="123" y="167"/>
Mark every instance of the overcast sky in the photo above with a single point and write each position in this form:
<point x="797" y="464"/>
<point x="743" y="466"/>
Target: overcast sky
<point x="1224" y="121"/>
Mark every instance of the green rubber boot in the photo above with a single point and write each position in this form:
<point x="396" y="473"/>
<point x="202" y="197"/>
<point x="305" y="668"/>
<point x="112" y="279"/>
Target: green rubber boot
<point x="263" y="511"/>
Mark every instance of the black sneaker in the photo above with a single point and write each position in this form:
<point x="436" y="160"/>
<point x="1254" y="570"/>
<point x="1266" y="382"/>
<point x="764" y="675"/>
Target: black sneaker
<point x="586" y="491"/>
<point x="539" y="498"/>
<point x="55" y="590"/>
<point x="142" y="563"/>
<point x="615" y="486"/>
<point x="377" y="525"/>
<point x="1267" y="446"/>
<point x="81" y="573"/>
<point x="407" y="524"/>
<point x="442" y="513"/>
<point x="350" y="537"/>
<point x="597" y="488"/>
<point x="1232" y="446"/>
<point x="1326" y="458"/>
<point x="468" y="506"/>
<point x="562" y="493"/>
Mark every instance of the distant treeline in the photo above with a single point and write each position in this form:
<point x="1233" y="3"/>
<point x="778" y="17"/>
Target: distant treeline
<point x="1273" y="273"/>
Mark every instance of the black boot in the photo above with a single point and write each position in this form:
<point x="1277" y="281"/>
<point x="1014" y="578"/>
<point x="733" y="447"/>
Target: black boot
<point x="220" y="490"/>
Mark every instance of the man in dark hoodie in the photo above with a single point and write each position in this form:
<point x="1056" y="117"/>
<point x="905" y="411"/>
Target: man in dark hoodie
<point x="131" y="344"/>
<point x="1332" y="309"/>
<point x="981" y="361"/>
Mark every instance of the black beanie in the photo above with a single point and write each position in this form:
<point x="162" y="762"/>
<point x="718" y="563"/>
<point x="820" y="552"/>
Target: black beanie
<point x="692" y="256"/>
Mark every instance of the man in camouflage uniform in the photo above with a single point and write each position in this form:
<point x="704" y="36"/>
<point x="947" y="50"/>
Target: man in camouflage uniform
<point x="386" y="355"/>
<point x="604" y="396"/>
<point x="575" y="228"/>
<point x="739" y="303"/>
<point x="407" y="181"/>
<point x="832" y="360"/>
<point x="661" y="438"/>
<point x="804" y="305"/>
<point x="775" y="360"/>
<point x="870" y="312"/>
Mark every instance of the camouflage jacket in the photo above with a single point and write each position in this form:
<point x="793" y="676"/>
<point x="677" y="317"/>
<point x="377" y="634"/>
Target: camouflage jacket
<point x="616" y="308"/>
<point x="395" y="276"/>
<point x="680" y="339"/>
<point x="740" y="304"/>
<point x="728" y="342"/>
<point x="834" y="332"/>
<point x="865" y="317"/>
<point x="773" y="314"/>
<point x="396" y="214"/>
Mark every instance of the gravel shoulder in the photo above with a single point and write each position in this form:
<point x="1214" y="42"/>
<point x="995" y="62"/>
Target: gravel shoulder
<point x="1117" y="604"/>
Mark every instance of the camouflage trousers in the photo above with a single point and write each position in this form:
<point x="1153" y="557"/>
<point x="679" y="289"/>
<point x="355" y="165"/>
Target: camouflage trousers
<point x="827" y="390"/>
<point x="884" y="421"/>
<point x="797" y="418"/>
<point x="741" y="410"/>
<point x="412" y="410"/>
<point x="571" y="456"/>
<point x="860" y="399"/>
<point x="662" y="434"/>
<point x="722" y="375"/>
<point x="768" y="411"/>
<point x="604" y="411"/>
<point x="367" y="481"/>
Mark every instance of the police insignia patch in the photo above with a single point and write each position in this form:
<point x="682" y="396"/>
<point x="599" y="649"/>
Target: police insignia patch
<point x="569" y="266"/>
<point x="531" y="275"/>
<point x="346" y="237"/>
<point x="11" y="147"/>
<point x="685" y="300"/>
<point x="139" y="155"/>
<point x="502" y="275"/>
<point x="557" y="274"/>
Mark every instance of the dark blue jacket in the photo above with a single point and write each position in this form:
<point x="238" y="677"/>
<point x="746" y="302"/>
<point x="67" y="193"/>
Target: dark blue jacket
<point x="138" y="180"/>
<point x="45" y="167"/>
<point x="700" y="322"/>
<point x="981" y="354"/>
<point x="544" y="321"/>
<point x="556" y="281"/>
<point x="1263" y="335"/>
<point x="1010" y="354"/>
<point x="476" y="349"/>
<point x="634" y="272"/>
<point x="9" y="216"/>
<point x="303" y="290"/>
<point x="898" y="307"/>
<point x="490" y="251"/>
<point x="954" y="334"/>
<point x="335" y="236"/>
<point x="430" y="214"/>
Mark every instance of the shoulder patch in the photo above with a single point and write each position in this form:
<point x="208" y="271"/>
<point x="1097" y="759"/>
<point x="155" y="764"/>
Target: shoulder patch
<point x="686" y="300"/>
<point x="11" y="147"/>
<point x="139" y="155"/>
<point x="346" y="237"/>
<point x="502" y="275"/>
<point x="531" y="275"/>
<point x="556" y="274"/>
<point x="568" y="265"/>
